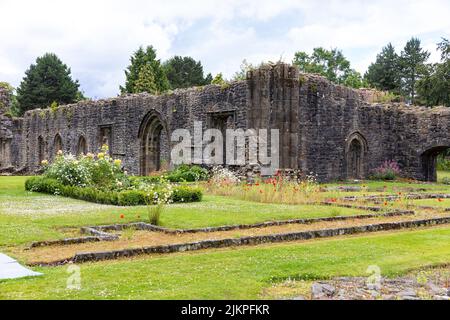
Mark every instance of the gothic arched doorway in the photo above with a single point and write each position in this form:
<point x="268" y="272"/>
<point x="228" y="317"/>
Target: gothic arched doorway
<point x="57" y="144"/>
<point x="41" y="149"/>
<point x="152" y="138"/>
<point x="356" y="156"/>
<point x="429" y="162"/>
<point x="82" y="146"/>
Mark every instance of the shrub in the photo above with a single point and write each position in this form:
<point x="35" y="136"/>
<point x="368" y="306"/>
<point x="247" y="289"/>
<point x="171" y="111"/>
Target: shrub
<point x="186" y="173"/>
<point x="186" y="194"/>
<point x="99" y="171"/>
<point x="120" y="198"/>
<point x="443" y="163"/>
<point x="132" y="198"/>
<point x="389" y="170"/>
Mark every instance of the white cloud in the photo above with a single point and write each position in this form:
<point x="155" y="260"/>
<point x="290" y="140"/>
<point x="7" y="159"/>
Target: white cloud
<point x="96" y="38"/>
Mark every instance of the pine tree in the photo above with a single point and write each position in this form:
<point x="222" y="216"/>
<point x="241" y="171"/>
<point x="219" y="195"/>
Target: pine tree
<point x="145" y="81"/>
<point x="383" y="74"/>
<point x="46" y="81"/>
<point x="184" y="72"/>
<point x="139" y="59"/>
<point x="434" y="88"/>
<point x="413" y="67"/>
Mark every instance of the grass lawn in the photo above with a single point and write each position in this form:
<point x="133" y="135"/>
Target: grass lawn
<point x="438" y="203"/>
<point x="232" y="273"/>
<point x="27" y="217"/>
<point x="238" y="273"/>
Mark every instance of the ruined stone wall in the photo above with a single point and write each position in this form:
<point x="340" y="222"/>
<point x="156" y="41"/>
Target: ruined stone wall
<point x="124" y="116"/>
<point x="325" y="129"/>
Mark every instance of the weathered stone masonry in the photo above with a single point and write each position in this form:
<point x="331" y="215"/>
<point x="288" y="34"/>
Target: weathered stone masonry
<point x="332" y="131"/>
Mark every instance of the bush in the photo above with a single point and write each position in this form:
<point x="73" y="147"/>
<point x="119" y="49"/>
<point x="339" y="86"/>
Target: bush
<point x="186" y="173"/>
<point x="101" y="171"/>
<point x="132" y="198"/>
<point x="443" y="163"/>
<point x="186" y="194"/>
<point x="389" y="170"/>
<point x="120" y="198"/>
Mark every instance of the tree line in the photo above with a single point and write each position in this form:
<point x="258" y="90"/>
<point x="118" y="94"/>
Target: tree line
<point x="407" y="74"/>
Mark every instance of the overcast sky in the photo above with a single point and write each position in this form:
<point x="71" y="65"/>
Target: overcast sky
<point x="96" y="38"/>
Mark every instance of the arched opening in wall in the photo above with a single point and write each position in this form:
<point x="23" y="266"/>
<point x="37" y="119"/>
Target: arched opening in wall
<point x="57" y="144"/>
<point x="429" y="161"/>
<point x="41" y="149"/>
<point x="152" y="137"/>
<point x="356" y="152"/>
<point x="82" y="146"/>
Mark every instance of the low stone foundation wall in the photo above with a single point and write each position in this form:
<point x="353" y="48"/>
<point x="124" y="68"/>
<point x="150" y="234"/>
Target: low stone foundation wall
<point x="150" y="227"/>
<point x="251" y="240"/>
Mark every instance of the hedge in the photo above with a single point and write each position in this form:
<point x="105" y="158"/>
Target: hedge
<point x="122" y="198"/>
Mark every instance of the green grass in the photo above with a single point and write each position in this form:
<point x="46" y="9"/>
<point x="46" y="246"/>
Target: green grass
<point x="443" y="174"/>
<point x="444" y="203"/>
<point x="27" y="217"/>
<point x="232" y="273"/>
<point x="238" y="273"/>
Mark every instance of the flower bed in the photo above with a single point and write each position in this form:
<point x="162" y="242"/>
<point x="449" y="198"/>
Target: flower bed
<point x="101" y="179"/>
<point x="113" y="197"/>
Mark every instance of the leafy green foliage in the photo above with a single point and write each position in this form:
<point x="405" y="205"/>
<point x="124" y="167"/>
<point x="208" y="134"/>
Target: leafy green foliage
<point x="139" y="60"/>
<point x="331" y="64"/>
<point x="47" y="81"/>
<point x="218" y="79"/>
<point x="146" y="80"/>
<point x="389" y="170"/>
<point x="101" y="172"/>
<point x="48" y="185"/>
<point x="413" y="67"/>
<point x="187" y="173"/>
<point x="13" y="107"/>
<point x="185" y="72"/>
<point x="186" y="194"/>
<point x="434" y="88"/>
<point x="384" y="73"/>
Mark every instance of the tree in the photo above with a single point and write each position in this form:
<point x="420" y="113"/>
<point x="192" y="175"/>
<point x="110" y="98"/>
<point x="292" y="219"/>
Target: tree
<point x="383" y="74"/>
<point x="413" y="67"/>
<point x="434" y="87"/>
<point x="354" y="79"/>
<point x="47" y="81"/>
<point x="331" y="64"/>
<point x="13" y="106"/>
<point x="138" y="60"/>
<point x="145" y="81"/>
<point x="218" y="79"/>
<point x="185" y="72"/>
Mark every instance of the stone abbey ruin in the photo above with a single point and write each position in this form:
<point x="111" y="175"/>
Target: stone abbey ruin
<point x="333" y="131"/>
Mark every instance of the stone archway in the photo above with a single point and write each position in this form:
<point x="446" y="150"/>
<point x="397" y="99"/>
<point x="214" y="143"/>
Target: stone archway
<point x="355" y="155"/>
<point x="429" y="162"/>
<point x="153" y="137"/>
<point x="41" y="150"/>
<point x="81" y="146"/>
<point x="57" y="144"/>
